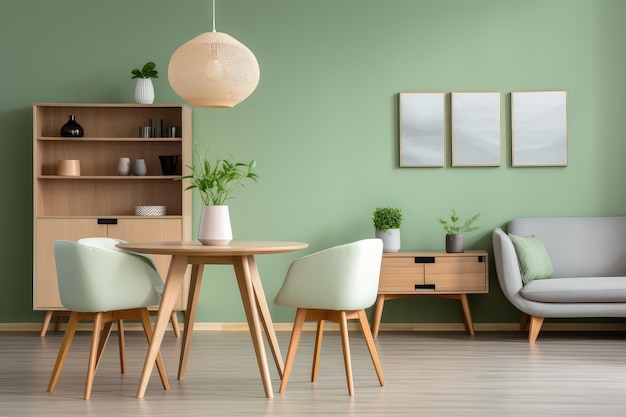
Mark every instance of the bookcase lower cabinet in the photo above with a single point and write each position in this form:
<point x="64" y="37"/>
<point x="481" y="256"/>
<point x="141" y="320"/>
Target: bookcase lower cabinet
<point x="436" y="274"/>
<point x="50" y="230"/>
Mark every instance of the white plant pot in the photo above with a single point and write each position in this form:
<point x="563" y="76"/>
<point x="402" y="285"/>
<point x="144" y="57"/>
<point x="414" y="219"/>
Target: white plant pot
<point x="215" y="229"/>
<point x="144" y="91"/>
<point x="390" y="238"/>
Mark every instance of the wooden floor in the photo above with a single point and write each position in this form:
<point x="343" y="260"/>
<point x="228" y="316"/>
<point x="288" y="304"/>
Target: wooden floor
<point x="427" y="374"/>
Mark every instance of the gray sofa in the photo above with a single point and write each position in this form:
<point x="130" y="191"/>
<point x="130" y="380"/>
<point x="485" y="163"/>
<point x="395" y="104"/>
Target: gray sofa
<point x="588" y="256"/>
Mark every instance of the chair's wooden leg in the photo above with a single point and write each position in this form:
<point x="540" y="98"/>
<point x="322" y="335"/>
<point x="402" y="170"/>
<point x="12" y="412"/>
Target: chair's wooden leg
<point x="144" y="316"/>
<point x="523" y="323"/>
<point x="93" y="354"/>
<point x="174" y="320"/>
<point x="345" y="342"/>
<point x="535" y="327"/>
<point x="293" y="347"/>
<point x="104" y="337"/>
<point x="65" y="347"/>
<point x="318" y="349"/>
<point x="121" y="342"/>
<point x="369" y="340"/>
<point x="377" y="315"/>
<point x="58" y="323"/>
<point x="46" y="323"/>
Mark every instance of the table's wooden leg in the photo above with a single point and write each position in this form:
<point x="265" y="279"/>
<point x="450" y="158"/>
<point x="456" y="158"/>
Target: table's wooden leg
<point x="242" y="272"/>
<point x="377" y="315"/>
<point x="172" y="289"/>
<point x="467" y="314"/>
<point x="266" y="317"/>
<point x="190" y="317"/>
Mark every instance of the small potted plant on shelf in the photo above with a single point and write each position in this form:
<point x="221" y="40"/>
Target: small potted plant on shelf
<point x="216" y="182"/>
<point x="144" y="90"/>
<point x="454" y="231"/>
<point x="387" y="222"/>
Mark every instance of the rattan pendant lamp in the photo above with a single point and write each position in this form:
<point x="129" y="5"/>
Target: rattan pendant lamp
<point x="213" y="70"/>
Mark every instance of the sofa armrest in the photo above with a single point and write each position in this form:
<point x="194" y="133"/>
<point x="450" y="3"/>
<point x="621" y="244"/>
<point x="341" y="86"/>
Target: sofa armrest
<point x="507" y="266"/>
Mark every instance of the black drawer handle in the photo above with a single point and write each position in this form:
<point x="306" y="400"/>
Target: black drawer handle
<point x="107" y="221"/>
<point x="424" y="259"/>
<point x="424" y="287"/>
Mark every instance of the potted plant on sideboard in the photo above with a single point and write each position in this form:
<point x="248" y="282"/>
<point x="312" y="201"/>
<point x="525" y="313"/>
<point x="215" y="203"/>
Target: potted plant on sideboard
<point x="216" y="183"/>
<point x="387" y="222"/>
<point x="144" y="90"/>
<point x="454" y="231"/>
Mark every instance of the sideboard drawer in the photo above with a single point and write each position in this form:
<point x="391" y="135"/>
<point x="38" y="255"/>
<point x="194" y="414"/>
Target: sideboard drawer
<point x="464" y="274"/>
<point x="400" y="275"/>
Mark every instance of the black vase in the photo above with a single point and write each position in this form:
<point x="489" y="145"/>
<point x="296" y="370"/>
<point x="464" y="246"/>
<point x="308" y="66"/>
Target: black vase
<point x="72" y="128"/>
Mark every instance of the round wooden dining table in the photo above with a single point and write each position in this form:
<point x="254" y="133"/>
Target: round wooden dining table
<point x="239" y="254"/>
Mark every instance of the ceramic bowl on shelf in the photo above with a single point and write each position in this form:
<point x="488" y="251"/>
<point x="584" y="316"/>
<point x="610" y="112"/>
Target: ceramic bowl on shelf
<point x="150" y="210"/>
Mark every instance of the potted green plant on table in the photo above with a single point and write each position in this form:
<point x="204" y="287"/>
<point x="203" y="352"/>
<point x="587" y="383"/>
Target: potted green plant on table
<point x="454" y="231"/>
<point x="216" y="182"/>
<point x="387" y="222"/>
<point x="144" y="90"/>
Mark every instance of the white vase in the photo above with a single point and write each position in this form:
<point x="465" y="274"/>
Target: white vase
<point x="123" y="166"/>
<point x="390" y="238"/>
<point x="214" y="226"/>
<point x="144" y="91"/>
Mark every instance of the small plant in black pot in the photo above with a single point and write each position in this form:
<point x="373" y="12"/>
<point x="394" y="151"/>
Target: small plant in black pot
<point x="454" y="231"/>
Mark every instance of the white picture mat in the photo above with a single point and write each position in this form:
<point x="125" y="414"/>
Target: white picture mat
<point x="539" y="128"/>
<point x="422" y="129"/>
<point x="476" y="128"/>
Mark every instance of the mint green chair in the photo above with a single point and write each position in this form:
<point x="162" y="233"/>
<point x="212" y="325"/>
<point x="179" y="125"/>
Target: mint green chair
<point x="335" y="284"/>
<point x="100" y="282"/>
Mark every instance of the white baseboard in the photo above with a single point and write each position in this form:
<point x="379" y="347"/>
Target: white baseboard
<point x="384" y="327"/>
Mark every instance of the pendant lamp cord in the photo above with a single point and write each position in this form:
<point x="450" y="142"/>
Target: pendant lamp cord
<point x="213" y="15"/>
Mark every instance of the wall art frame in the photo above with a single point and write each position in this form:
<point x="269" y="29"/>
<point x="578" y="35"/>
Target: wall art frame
<point x="539" y="128"/>
<point x="476" y="124"/>
<point x="422" y="129"/>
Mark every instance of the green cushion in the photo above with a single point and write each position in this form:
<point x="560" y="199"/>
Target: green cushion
<point x="533" y="258"/>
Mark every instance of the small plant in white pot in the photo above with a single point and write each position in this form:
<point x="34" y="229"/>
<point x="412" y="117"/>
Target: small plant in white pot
<point x="216" y="183"/>
<point x="387" y="222"/>
<point x="144" y="90"/>
<point x="454" y="231"/>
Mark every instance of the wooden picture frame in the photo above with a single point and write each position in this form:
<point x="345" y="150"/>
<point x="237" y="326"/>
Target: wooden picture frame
<point x="539" y="128"/>
<point x="476" y="128"/>
<point x="422" y="129"/>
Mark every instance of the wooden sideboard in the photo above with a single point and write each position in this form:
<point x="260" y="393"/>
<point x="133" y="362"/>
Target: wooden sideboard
<point x="437" y="274"/>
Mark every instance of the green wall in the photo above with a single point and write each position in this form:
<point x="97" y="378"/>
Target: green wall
<point x="322" y="123"/>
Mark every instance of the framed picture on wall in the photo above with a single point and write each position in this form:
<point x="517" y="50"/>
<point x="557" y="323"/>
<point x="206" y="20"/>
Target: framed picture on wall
<point x="476" y="128"/>
<point x="422" y="129"/>
<point x="539" y="128"/>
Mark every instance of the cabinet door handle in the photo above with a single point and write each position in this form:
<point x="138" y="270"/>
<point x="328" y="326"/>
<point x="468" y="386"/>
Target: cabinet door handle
<point x="481" y="259"/>
<point x="424" y="259"/>
<point x="424" y="287"/>
<point x="107" y="221"/>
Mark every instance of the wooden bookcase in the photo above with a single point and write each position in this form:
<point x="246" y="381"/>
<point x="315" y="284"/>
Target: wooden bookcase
<point x="100" y="202"/>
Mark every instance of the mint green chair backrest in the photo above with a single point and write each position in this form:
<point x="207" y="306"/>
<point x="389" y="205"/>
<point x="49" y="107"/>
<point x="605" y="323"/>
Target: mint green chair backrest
<point x="343" y="277"/>
<point x="93" y="275"/>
